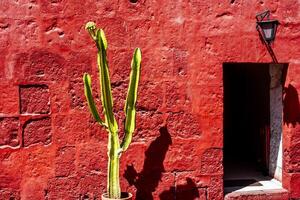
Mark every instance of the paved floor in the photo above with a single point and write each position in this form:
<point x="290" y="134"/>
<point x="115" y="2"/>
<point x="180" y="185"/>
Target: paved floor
<point x="244" y="177"/>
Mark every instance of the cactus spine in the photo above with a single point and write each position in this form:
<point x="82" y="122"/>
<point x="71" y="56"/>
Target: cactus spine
<point x="114" y="147"/>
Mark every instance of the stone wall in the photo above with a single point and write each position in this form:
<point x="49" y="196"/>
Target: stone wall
<point x="50" y="147"/>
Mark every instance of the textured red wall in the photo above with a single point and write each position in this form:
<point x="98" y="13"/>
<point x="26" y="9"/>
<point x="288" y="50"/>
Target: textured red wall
<point x="50" y="146"/>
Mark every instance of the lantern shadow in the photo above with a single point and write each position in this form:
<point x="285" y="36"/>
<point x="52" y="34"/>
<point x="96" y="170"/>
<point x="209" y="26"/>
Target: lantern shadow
<point x="291" y="106"/>
<point x="148" y="179"/>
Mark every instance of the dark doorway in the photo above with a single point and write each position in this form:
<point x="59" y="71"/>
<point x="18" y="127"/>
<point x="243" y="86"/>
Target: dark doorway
<point x="246" y="119"/>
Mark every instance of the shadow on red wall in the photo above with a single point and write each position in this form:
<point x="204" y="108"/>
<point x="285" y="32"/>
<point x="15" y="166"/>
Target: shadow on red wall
<point x="149" y="178"/>
<point x="187" y="191"/>
<point x="291" y="106"/>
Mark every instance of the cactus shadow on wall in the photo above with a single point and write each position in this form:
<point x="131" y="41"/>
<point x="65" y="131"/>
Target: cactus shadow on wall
<point x="188" y="191"/>
<point x="291" y="106"/>
<point x="148" y="179"/>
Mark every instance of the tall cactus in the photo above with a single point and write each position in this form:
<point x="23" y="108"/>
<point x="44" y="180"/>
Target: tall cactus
<point x="114" y="147"/>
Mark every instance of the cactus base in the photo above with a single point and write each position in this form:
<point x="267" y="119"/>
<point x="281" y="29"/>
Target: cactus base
<point x="124" y="196"/>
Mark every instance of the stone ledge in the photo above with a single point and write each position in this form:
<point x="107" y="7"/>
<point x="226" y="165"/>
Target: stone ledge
<point x="270" y="194"/>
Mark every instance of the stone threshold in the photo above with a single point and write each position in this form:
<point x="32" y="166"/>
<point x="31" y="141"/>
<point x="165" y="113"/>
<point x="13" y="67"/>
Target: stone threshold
<point x="269" y="190"/>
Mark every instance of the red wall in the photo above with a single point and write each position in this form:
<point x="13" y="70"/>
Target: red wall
<point x="50" y="146"/>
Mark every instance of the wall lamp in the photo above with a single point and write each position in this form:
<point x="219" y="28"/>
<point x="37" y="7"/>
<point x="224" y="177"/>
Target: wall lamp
<point x="266" y="27"/>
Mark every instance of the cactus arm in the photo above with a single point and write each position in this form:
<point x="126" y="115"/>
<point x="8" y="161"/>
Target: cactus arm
<point x="106" y="95"/>
<point x="90" y="100"/>
<point x="129" y="109"/>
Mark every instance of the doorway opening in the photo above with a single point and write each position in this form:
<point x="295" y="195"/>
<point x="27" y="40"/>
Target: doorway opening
<point x="252" y="125"/>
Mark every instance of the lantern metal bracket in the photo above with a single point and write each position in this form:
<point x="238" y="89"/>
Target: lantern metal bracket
<point x="262" y="15"/>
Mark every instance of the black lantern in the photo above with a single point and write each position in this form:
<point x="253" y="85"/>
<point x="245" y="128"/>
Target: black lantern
<point x="266" y="27"/>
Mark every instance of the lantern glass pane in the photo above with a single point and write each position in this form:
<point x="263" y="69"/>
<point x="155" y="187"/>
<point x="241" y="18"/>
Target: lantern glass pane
<point x="268" y="30"/>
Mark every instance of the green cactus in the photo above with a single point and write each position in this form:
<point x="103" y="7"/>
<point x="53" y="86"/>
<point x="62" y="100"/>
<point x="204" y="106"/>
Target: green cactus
<point x="114" y="147"/>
